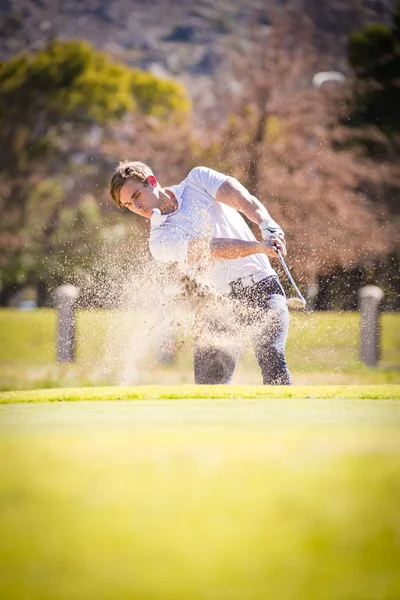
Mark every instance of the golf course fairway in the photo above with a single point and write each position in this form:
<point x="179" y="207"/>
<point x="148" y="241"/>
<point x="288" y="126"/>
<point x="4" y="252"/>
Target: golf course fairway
<point x="200" y="492"/>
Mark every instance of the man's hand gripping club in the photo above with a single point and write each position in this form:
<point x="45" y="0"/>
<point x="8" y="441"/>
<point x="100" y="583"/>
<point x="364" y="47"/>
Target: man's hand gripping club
<point x="271" y="232"/>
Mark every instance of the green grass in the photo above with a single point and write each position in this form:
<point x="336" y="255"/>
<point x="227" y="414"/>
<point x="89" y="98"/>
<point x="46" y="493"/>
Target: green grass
<point x="322" y="349"/>
<point x="201" y="499"/>
<point x="179" y="392"/>
<point x="240" y="492"/>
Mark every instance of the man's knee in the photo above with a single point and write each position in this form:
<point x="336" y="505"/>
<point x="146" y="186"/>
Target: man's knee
<point x="213" y="366"/>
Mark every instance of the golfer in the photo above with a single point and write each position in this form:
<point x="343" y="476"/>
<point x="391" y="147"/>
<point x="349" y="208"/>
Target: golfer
<point x="196" y="224"/>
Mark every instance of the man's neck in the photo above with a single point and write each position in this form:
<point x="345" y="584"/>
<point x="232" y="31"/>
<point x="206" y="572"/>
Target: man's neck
<point x="169" y="202"/>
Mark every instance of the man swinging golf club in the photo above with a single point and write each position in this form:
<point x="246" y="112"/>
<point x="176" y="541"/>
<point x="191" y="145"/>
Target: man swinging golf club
<point x="197" y="223"/>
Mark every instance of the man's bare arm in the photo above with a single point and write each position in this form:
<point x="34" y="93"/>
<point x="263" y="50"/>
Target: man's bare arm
<point x="234" y="194"/>
<point x="228" y="248"/>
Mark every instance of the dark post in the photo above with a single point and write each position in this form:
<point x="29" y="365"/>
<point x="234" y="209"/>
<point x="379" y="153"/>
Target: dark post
<point x="66" y="296"/>
<point x="369" y="300"/>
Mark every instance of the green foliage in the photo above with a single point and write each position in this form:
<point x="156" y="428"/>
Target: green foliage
<point x="374" y="54"/>
<point x="158" y="97"/>
<point x="54" y="240"/>
<point x="72" y="81"/>
<point x="67" y="82"/>
<point x="370" y="49"/>
<point x="49" y="100"/>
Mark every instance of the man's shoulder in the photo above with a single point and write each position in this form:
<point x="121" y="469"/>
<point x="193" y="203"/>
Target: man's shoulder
<point x="198" y="172"/>
<point x="205" y="177"/>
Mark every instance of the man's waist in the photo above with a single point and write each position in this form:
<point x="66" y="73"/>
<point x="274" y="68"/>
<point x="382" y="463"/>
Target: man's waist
<point x="253" y="286"/>
<point x="248" y="280"/>
<point x="223" y="275"/>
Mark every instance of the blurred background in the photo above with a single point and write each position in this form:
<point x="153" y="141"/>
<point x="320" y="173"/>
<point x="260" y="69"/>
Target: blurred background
<point x="297" y="99"/>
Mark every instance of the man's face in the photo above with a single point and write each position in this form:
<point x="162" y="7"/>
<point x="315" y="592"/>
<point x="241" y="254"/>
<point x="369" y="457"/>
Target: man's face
<point x="140" y="198"/>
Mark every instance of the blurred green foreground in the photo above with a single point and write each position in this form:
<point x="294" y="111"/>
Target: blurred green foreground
<point x="322" y="348"/>
<point x="200" y="500"/>
<point x="283" y="494"/>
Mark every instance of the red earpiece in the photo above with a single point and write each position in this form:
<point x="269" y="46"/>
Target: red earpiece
<point x="151" y="179"/>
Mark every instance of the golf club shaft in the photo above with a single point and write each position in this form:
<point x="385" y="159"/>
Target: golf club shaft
<point x="292" y="281"/>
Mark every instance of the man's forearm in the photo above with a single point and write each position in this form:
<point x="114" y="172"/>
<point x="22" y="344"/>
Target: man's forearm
<point x="232" y="248"/>
<point x="226" y="248"/>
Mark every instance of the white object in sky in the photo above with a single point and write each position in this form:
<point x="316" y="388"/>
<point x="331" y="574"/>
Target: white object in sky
<point x="325" y="76"/>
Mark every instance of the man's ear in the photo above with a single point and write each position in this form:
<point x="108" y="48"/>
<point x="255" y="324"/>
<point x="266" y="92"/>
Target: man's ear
<point x="152" y="180"/>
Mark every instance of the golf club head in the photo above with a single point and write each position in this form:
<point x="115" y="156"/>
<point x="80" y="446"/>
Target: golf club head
<point x="296" y="303"/>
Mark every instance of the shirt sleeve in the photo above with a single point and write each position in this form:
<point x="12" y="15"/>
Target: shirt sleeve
<point x="167" y="245"/>
<point x="207" y="179"/>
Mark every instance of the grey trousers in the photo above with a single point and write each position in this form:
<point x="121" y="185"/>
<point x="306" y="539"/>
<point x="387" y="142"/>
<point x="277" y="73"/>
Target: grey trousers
<point x="260" y="311"/>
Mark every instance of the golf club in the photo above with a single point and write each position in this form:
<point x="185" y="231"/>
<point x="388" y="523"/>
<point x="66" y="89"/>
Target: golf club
<point x="298" y="303"/>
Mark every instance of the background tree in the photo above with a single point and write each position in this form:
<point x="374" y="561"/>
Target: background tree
<point x="281" y="141"/>
<point x="374" y="55"/>
<point x="53" y="105"/>
<point x="370" y="119"/>
<point x="257" y="117"/>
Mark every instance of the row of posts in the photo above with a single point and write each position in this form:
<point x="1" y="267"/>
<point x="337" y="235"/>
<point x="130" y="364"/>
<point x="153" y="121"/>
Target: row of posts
<point x="370" y="297"/>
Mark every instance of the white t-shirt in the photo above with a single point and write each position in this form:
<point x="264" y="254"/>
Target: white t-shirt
<point x="200" y="215"/>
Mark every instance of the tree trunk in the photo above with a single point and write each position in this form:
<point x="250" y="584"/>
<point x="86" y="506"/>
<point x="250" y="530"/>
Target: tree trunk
<point x="42" y="294"/>
<point x="7" y="292"/>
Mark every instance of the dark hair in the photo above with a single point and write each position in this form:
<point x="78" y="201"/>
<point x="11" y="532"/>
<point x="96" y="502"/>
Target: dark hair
<point x="127" y="169"/>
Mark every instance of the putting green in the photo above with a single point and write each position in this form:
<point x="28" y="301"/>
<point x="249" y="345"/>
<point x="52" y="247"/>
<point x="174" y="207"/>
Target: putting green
<point x="201" y="498"/>
<point x="253" y="413"/>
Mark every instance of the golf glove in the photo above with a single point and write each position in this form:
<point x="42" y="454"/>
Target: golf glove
<point x="271" y="230"/>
